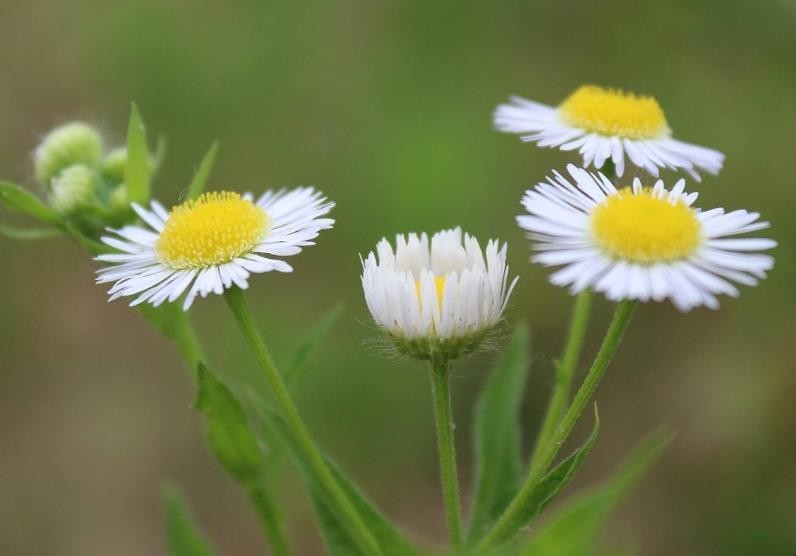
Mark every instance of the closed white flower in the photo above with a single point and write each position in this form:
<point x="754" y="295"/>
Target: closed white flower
<point x="607" y="124"/>
<point x="640" y="242"/>
<point x="436" y="299"/>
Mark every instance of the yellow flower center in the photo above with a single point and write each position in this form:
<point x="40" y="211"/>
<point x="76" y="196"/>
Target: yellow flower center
<point x="439" y="282"/>
<point x="213" y="229"/>
<point x="614" y="112"/>
<point x="640" y="228"/>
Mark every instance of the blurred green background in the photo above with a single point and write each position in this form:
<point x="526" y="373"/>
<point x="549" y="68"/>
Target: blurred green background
<point x="387" y="107"/>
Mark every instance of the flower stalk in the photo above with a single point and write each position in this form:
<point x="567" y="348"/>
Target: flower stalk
<point x="507" y="523"/>
<point x="446" y="449"/>
<point x="243" y="316"/>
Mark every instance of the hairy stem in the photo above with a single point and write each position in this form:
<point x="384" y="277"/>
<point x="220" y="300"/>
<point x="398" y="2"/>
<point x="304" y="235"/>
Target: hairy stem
<point x="508" y="523"/>
<point x="446" y="449"/>
<point x="243" y="316"/>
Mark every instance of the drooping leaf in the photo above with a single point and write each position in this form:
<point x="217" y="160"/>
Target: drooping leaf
<point x="310" y="342"/>
<point x="203" y="173"/>
<point x="574" y="529"/>
<point x="333" y="526"/>
<point x="497" y="434"/>
<point x="182" y="535"/>
<point x="228" y="431"/>
<point x="18" y="199"/>
<point x="137" y="171"/>
<point x="28" y="234"/>
<point x="554" y="482"/>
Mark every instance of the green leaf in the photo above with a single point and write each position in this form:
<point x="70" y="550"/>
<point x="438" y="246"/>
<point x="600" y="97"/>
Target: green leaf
<point x="228" y="430"/>
<point x="335" y="531"/>
<point x="310" y="342"/>
<point x="497" y="435"/>
<point x="137" y="170"/>
<point x="14" y="197"/>
<point x="182" y="535"/>
<point x="555" y="481"/>
<point x="27" y="234"/>
<point x="574" y="529"/>
<point x="203" y="172"/>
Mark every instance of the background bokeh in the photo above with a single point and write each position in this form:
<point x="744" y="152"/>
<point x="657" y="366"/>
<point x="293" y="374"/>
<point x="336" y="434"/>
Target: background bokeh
<point x="386" y="106"/>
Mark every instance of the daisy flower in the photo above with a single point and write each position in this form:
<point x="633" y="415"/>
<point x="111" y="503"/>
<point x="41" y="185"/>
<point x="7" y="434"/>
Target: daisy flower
<point x="605" y="124"/>
<point x="210" y="243"/>
<point x="437" y="299"/>
<point x="641" y="242"/>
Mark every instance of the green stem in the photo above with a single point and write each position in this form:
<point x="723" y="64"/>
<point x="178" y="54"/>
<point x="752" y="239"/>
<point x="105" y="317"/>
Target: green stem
<point x="507" y="524"/>
<point x="565" y="372"/>
<point x="270" y="517"/>
<point x="185" y="337"/>
<point x="243" y="315"/>
<point x="440" y="389"/>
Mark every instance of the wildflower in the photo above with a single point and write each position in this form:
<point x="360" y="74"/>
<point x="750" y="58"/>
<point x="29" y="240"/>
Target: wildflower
<point x="641" y="243"/>
<point x="211" y="243"/>
<point x="437" y="301"/>
<point x="605" y="124"/>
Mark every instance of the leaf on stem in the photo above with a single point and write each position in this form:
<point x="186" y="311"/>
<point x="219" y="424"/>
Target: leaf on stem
<point x="335" y="532"/>
<point x="137" y="171"/>
<point x="228" y="430"/>
<point x="575" y="527"/>
<point x="28" y="234"/>
<point x="310" y="342"/>
<point x="199" y="180"/>
<point x="182" y="535"/>
<point x="18" y="199"/>
<point x="497" y="435"/>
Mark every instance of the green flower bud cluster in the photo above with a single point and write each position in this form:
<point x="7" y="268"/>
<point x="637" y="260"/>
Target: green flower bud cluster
<point x="85" y="183"/>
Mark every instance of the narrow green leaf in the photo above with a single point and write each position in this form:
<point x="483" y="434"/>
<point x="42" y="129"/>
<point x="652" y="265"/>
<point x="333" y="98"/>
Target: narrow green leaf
<point x="335" y="532"/>
<point x="497" y="435"/>
<point x="574" y="529"/>
<point x="555" y="481"/>
<point x="27" y="234"/>
<point x="182" y="535"/>
<point x="18" y="199"/>
<point x="203" y="172"/>
<point x="310" y="342"/>
<point x="228" y="430"/>
<point x="138" y="164"/>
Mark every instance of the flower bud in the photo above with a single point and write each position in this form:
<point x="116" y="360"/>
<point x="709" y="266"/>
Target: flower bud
<point x="118" y="198"/>
<point x="113" y="166"/>
<point x="67" y="145"/>
<point x="73" y="189"/>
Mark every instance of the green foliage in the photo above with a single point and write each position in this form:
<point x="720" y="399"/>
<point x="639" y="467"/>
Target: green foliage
<point x="574" y="529"/>
<point x="15" y="198"/>
<point x="28" y="234"/>
<point x="497" y="434"/>
<point x="137" y="169"/>
<point x="310" y="342"/>
<point x="335" y="531"/>
<point x="182" y="535"/>
<point x="228" y="431"/>
<point x="554" y="482"/>
<point x="199" y="180"/>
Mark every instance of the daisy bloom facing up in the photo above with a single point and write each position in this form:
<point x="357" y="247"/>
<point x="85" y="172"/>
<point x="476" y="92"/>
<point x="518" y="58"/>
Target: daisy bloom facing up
<point x="436" y="299"/>
<point x="607" y="124"/>
<point x="210" y="244"/>
<point x="641" y="242"/>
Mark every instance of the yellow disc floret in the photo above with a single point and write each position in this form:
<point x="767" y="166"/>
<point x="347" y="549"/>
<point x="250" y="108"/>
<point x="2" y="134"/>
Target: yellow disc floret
<point x="642" y="228"/>
<point x="614" y="112"/>
<point x="439" y="283"/>
<point x="211" y="230"/>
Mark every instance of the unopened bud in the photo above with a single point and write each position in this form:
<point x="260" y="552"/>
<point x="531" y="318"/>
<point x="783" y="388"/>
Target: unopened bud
<point x="73" y="189"/>
<point x="65" y="146"/>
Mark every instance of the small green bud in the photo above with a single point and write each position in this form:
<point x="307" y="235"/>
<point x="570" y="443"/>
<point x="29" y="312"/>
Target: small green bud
<point x="113" y="165"/>
<point x="118" y="199"/>
<point x="73" y="189"/>
<point x="64" y="146"/>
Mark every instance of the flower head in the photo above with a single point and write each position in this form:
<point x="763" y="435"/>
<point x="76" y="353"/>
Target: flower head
<point x="641" y="242"/>
<point x="437" y="299"/>
<point x="605" y="124"/>
<point x="210" y="243"/>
